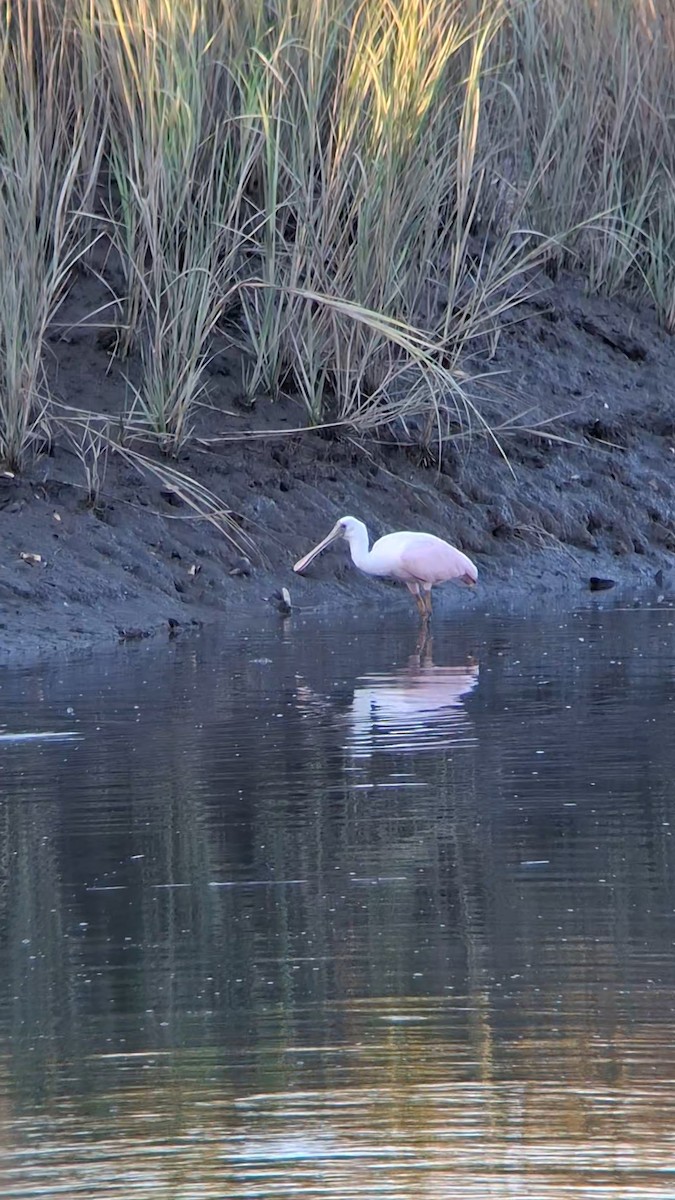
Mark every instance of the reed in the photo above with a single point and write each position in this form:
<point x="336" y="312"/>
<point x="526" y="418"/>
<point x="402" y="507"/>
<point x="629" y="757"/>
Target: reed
<point x="50" y="153"/>
<point x="369" y="187"/>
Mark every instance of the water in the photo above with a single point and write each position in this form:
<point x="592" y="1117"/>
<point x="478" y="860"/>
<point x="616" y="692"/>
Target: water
<point x="303" y="913"/>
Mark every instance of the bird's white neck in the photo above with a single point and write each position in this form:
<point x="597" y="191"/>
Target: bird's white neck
<point x="358" y="540"/>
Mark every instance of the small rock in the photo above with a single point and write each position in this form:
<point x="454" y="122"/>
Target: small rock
<point x="171" y="497"/>
<point x="282" y="601"/>
<point x="107" y="339"/>
<point x="597" y="584"/>
<point x="242" y="567"/>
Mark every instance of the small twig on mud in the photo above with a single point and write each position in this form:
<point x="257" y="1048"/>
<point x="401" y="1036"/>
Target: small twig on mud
<point x="414" y="487"/>
<point x="543" y="534"/>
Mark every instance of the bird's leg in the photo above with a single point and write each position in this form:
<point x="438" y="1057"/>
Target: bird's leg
<point x="426" y="597"/>
<point x="414" y="589"/>
<point x="423" y="646"/>
<point x="421" y="607"/>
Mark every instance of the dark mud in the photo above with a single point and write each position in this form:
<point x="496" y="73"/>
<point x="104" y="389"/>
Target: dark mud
<point x="582" y="394"/>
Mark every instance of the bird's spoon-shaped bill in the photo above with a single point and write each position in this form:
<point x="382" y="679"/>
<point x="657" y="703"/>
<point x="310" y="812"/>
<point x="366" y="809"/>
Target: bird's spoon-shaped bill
<point x="302" y="563"/>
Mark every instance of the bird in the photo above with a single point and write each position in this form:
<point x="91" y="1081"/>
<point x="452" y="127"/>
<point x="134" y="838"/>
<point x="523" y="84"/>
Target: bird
<point x="420" y="560"/>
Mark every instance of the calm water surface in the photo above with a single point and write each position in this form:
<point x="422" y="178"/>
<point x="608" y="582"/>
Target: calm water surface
<point x="302" y="912"/>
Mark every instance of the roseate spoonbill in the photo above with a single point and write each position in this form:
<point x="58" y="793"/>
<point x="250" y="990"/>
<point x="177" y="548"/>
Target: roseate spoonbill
<point x="419" y="560"/>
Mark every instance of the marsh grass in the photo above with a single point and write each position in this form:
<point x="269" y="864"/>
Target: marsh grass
<point x="95" y="438"/>
<point x="373" y="186"/>
<point x="90" y="445"/>
<point x="50" y="154"/>
<point x="174" y="200"/>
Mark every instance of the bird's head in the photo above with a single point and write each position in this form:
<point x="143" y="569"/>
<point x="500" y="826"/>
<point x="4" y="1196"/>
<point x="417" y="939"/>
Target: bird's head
<point x="470" y="576"/>
<point x="346" y="527"/>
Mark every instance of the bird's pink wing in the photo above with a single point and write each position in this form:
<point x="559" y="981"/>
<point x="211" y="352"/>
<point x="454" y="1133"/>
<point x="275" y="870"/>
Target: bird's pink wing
<point x="434" y="562"/>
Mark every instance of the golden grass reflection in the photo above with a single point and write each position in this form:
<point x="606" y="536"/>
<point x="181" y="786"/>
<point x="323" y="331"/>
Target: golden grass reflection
<point x="403" y="1112"/>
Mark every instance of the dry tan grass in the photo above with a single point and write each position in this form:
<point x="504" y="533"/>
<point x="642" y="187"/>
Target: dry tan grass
<point x="372" y="182"/>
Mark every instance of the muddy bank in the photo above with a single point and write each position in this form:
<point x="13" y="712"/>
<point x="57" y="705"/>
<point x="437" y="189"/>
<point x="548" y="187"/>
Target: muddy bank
<point x="582" y="396"/>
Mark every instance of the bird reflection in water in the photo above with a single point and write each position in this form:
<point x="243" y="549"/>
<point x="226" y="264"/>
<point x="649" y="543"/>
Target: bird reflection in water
<point x="419" y="707"/>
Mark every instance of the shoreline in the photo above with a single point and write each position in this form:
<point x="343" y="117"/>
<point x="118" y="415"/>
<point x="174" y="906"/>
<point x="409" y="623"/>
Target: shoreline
<point x="582" y="485"/>
<point x="40" y="638"/>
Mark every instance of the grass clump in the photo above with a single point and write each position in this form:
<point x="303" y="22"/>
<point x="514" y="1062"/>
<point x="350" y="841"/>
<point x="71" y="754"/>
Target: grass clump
<point x="367" y="186"/>
<point x="50" y="155"/>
